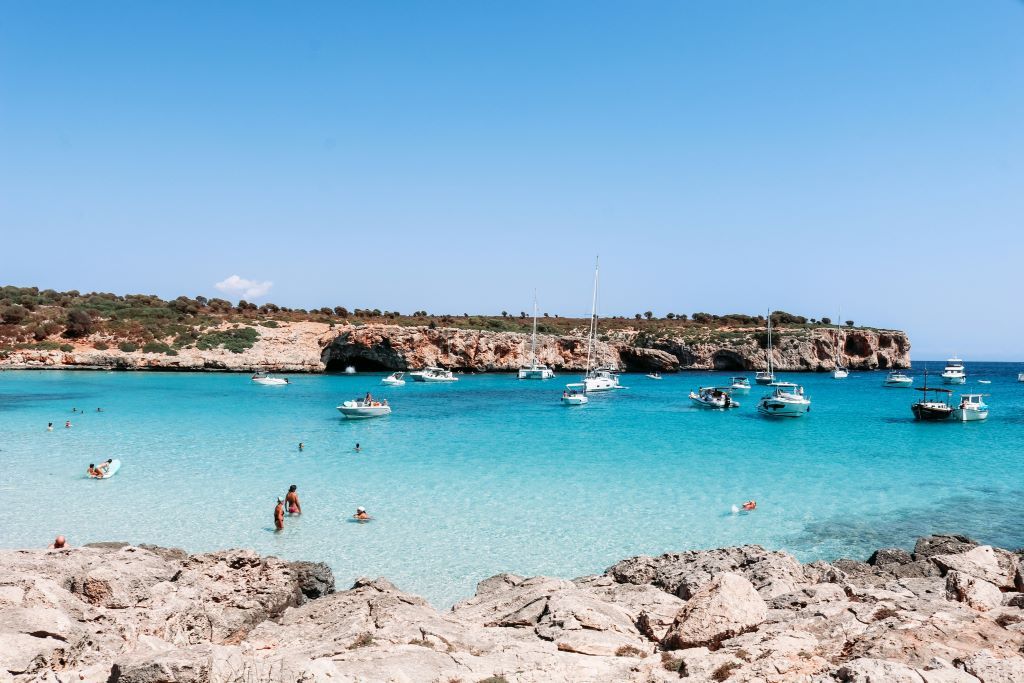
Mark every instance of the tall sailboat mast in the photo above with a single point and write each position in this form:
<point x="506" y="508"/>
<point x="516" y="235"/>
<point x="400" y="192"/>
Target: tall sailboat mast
<point x="769" y="351"/>
<point x="592" y="332"/>
<point x="533" y="344"/>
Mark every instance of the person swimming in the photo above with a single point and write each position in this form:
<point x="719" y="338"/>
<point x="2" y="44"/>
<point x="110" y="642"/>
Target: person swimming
<point x="292" y="499"/>
<point x="67" y="424"/>
<point x="358" y="448"/>
<point x="58" y="543"/>
<point x="49" y="426"/>
<point x="750" y="505"/>
<point x="361" y="515"/>
<point x="301" y="446"/>
<point x="279" y="515"/>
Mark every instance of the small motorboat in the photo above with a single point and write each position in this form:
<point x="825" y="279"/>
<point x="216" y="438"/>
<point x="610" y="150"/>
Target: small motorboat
<point x="434" y="374"/>
<point x="350" y="369"/>
<point x="363" y="408"/>
<point x="739" y="385"/>
<point x="266" y="379"/>
<point x="536" y="370"/>
<point x="897" y="380"/>
<point x="394" y="379"/>
<point x="972" y="408"/>
<point x="839" y="372"/>
<point x="653" y="375"/>
<point x="575" y="395"/>
<point x="713" y="397"/>
<point x="786" y="400"/>
<point x="937" y="408"/>
<point x="1020" y="376"/>
<point x="984" y="381"/>
<point x="954" y="372"/>
<point x="764" y="377"/>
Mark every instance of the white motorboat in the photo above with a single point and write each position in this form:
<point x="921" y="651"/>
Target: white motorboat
<point x="434" y="374"/>
<point x="898" y="380"/>
<point x="972" y="408"/>
<point x="1020" y="376"/>
<point x="767" y="376"/>
<point x="536" y="369"/>
<point x="363" y="408"/>
<point x="739" y="385"/>
<point x="265" y="379"/>
<point x="394" y="379"/>
<point x="350" y="369"/>
<point x="840" y="371"/>
<point x="713" y="397"/>
<point x="954" y="372"/>
<point x="786" y="400"/>
<point x="574" y="395"/>
<point x="653" y="375"/>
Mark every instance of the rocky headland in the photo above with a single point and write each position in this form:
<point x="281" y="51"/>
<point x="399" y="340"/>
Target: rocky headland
<point x="318" y="347"/>
<point x="948" y="612"/>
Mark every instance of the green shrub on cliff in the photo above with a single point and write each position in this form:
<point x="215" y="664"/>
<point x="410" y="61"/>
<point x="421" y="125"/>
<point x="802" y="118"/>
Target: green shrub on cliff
<point x="156" y="347"/>
<point x="235" y="340"/>
<point x="127" y="347"/>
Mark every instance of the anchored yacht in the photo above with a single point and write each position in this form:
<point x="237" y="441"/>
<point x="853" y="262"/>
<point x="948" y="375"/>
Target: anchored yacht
<point x="954" y="372"/>
<point x="536" y="369"/>
<point x="787" y="400"/>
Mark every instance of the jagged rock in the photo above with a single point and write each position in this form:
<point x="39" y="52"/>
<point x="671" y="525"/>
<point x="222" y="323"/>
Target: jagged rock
<point x="866" y="670"/>
<point x="638" y="358"/>
<point x="884" y="556"/>
<point x="726" y="607"/>
<point x="772" y="573"/>
<point x="979" y="594"/>
<point x="991" y="669"/>
<point x="982" y="562"/>
<point x="942" y="544"/>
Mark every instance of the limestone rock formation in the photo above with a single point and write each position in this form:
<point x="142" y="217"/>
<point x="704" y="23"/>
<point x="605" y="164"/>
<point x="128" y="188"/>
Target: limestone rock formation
<point x="316" y="347"/>
<point x="116" y="613"/>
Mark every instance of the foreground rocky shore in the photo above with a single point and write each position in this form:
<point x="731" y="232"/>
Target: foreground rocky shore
<point x="319" y="347"/>
<point x="951" y="611"/>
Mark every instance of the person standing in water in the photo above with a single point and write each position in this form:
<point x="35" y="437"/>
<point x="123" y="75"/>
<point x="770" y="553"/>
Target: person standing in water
<point x="301" y="446"/>
<point x="49" y="426"/>
<point x="58" y="543"/>
<point x="292" y="499"/>
<point x="358" y="449"/>
<point x="279" y="515"/>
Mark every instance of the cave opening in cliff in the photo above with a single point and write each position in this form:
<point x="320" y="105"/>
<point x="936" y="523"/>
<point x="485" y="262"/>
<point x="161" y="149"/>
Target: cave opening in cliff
<point x="357" y="362"/>
<point x="727" y="360"/>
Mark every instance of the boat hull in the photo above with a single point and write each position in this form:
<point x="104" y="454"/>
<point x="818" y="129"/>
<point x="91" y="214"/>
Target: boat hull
<point x="773" y="407"/>
<point x="601" y="384"/>
<point x="353" y="411"/>
<point x="271" y="381"/>
<point x="393" y="382"/>
<point x="929" y="412"/>
<point x="764" y="380"/>
<point x="575" y="400"/>
<point x="956" y="379"/>
<point x="897" y="384"/>
<point x="967" y="415"/>
<point x="840" y="374"/>
<point x="536" y="373"/>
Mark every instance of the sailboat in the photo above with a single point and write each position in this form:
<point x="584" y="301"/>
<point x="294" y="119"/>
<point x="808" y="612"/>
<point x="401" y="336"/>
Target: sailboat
<point x="840" y="371"/>
<point x="597" y="379"/>
<point x="767" y="376"/>
<point x="535" y="370"/>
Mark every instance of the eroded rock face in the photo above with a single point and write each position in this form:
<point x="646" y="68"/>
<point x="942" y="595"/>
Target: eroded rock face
<point x="726" y="607"/>
<point x="316" y="347"/>
<point x="131" y="614"/>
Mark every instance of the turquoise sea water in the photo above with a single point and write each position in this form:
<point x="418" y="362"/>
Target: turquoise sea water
<point x="492" y="474"/>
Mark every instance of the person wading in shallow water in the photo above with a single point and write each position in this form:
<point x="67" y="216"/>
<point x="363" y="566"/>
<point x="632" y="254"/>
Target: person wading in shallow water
<point x="292" y="500"/>
<point x="58" y="543"/>
<point x="279" y="515"/>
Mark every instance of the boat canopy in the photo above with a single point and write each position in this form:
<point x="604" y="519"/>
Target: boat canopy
<point x="944" y="391"/>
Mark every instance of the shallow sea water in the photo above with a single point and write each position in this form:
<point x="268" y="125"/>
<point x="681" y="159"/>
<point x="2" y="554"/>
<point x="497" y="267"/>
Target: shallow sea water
<point x="492" y="474"/>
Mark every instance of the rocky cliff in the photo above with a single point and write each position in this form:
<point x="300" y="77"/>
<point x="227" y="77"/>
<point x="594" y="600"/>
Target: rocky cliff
<point x="316" y="347"/>
<point x="949" y="612"/>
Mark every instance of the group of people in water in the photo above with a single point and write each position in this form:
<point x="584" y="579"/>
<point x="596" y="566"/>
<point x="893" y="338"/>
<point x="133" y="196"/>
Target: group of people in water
<point x="291" y="503"/>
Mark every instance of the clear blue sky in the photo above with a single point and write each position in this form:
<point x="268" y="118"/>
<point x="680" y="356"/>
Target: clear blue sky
<point x="721" y="156"/>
